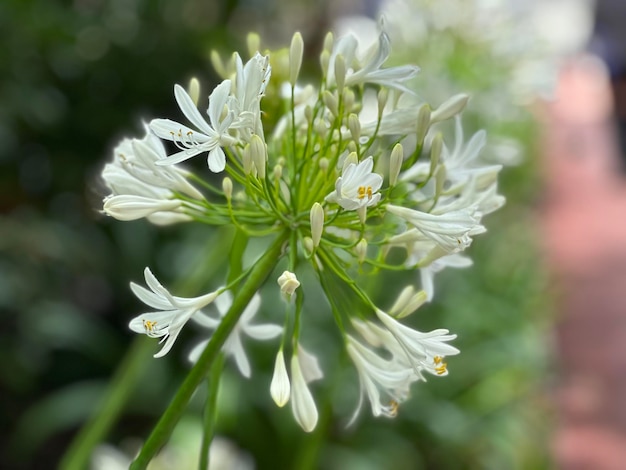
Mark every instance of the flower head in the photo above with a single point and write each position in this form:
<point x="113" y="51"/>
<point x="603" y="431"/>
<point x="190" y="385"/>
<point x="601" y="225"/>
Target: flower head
<point x="357" y="187"/>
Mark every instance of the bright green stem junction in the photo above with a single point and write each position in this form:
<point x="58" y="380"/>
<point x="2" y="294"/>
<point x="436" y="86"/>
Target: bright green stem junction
<point x="163" y="429"/>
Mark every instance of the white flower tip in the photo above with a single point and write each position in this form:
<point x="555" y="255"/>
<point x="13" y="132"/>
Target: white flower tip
<point x="317" y="223"/>
<point x="280" y="388"/>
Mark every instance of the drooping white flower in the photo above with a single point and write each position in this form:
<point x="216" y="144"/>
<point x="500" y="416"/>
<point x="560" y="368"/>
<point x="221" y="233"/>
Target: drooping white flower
<point x="280" y="388"/>
<point x="424" y="351"/>
<point x="357" y="187"/>
<point x="210" y="137"/>
<point x="233" y="346"/>
<point x="171" y="314"/>
<point x="385" y="382"/>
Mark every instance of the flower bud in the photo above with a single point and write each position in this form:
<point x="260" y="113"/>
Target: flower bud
<point x="280" y="388"/>
<point x="362" y="213"/>
<point x="317" y="223"/>
<point x="323" y="163"/>
<point x="329" y="39"/>
<point x="423" y="122"/>
<point x="348" y="99"/>
<point x="258" y="153"/>
<point x="395" y="163"/>
<point x="355" y="127"/>
<point x="218" y="64"/>
<point x="449" y="108"/>
<point x="129" y="207"/>
<point x="194" y="90"/>
<point x="246" y="159"/>
<point x="440" y="179"/>
<point x="340" y="72"/>
<point x="227" y="187"/>
<point x="330" y="100"/>
<point x="361" y="250"/>
<point x="253" y="41"/>
<point x="383" y="95"/>
<point x="352" y="158"/>
<point x="324" y="60"/>
<point x="295" y="57"/>
<point x="307" y="244"/>
<point x="435" y="151"/>
<point x="308" y="113"/>
<point x="278" y="172"/>
<point x="288" y="283"/>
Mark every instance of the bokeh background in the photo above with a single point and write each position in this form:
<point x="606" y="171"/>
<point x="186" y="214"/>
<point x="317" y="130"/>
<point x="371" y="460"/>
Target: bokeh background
<point x="539" y="326"/>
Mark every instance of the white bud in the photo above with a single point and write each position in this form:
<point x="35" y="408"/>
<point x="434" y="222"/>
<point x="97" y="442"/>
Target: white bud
<point x="317" y="223"/>
<point x="352" y="158"/>
<point x="278" y="172"/>
<point x="129" y="207"/>
<point x="449" y="108"/>
<point x="258" y="153"/>
<point x="295" y="57"/>
<point x="395" y="163"/>
<point x="362" y="213"/>
<point x="324" y="60"/>
<point x="340" y="72"/>
<point x="348" y="99"/>
<point x="218" y="64"/>
<point x="288" y="283"/>
<point x="253" y="41"/>
<point x="308" y="113"/>
<point x="307" y="244"/>
<point x="194" y="90"/>
<point x="435" y="151"/>
<point x="355" y="127"/>
<point x="330" y="100"/>
<point x="383" y="95"/>
<point x="280" y="388"/>
<point x="361" y="250"/>
<point x="408" y="301"/>
<point x="423" y="122"/>
<point x="440" y="179"/>
<point x="227" y="187"/>
<point x="323" y="163"/>
<point x="246" y="158"/>
<point x="329" y="39"/>
<point x="321" y="129"/>
<point x="302" y="403"/>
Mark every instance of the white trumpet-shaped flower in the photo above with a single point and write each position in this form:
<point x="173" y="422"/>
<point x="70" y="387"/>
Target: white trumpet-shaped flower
<point x="304" y="369"/>
<point x="171" y="314"/>
<point x="233" y="345"/>
<point x="210" y="137"/>
<point x="357" y="187"/>
<point x="385" y="382"/>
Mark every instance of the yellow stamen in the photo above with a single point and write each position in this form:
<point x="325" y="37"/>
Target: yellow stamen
<point x="442" y="367"/>
<point x="149" y="325"/>
<point x="364" y="191"/>
<point x="394" y="408"/>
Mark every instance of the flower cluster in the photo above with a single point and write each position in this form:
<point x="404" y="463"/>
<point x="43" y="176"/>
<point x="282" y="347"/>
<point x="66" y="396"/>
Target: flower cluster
<point x="353" y="180"/>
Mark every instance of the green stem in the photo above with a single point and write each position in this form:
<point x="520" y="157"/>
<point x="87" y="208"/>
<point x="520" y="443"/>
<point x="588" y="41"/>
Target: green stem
<point x="210" y="411"/>
<point x="164" y="427"/>
<point x="120" y="388"/>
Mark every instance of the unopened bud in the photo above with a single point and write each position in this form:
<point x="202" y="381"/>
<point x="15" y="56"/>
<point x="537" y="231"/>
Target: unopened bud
<point x="246" y="159"/>
<point x="218" y="64"/>
<point x="408" y="301"/>
<point x="361" y="250"/>
<point x="278" y="172"/>
<point x="295" y="57"/>
<point x="317" y="223"/>
<point x="321" y="129"/>
<point x="308" y="113"/>
<point x="194" y="90"/>
<point x="362" y="213"/>
<point x="330" y="100"/>
<point x="307" y="243"/>
<point x="355" y="127"/>
<point x="329" y="39"/>
<point x="348" y="99"/>
<point x="340" y="72"/>
<point x="352" y="158"/>
<point x="258" y="153"/>
<point x="395" y="163"/>
<point x="324" y="60"/>
<point x="423" y="122"/>
<point x="281" y="161"/>
<point x="227" y="187"/>
<point x="435" y="151"/>
<point x="383" y="95"/>
<point x="449" y="108"/>
<point x="253" y="41"/>
<point x="280" y="387"/>
<point x="440" y="179"/>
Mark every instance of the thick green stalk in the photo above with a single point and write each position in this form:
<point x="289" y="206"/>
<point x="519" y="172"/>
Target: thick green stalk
<point x="210" y="411"/>
<point x="163" y="429"/>
<point x="106" y="413"/>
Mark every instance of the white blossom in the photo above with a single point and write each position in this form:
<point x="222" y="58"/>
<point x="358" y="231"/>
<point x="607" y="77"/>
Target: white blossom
<point x="171" y="314"/>
<point x="280" y="387"/>
<point x="357" y="187"/>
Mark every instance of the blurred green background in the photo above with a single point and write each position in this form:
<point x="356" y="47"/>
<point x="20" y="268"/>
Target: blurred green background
<point x="77" y="76"/>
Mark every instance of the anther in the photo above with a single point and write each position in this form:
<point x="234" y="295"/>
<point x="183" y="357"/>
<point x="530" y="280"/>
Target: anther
<point x="149" y="325"/>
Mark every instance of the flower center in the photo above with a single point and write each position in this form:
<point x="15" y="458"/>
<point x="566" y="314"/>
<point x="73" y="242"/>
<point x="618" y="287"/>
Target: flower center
<point x="149" y="325"/>
<point x="364" y="191"/>
<point x="441" y="367"/>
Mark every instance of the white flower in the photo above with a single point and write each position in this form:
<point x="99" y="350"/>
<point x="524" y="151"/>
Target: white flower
<point x="134" y="170"/>
<point x="370" y="71"/>
<point x="302" y="403"/>
<point x="288" y="283"/>
<point x="357" y="187"/>
<point x="386" y="382"/>
<point x="280" y="388"/>
<point x="233" y="345"/>
<point x="424" y="351"/>
<point x="172" y="313"/>
<point x="129" y="207"/>
<point x="211" y="137"/>
<point x="451" y="231"/>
